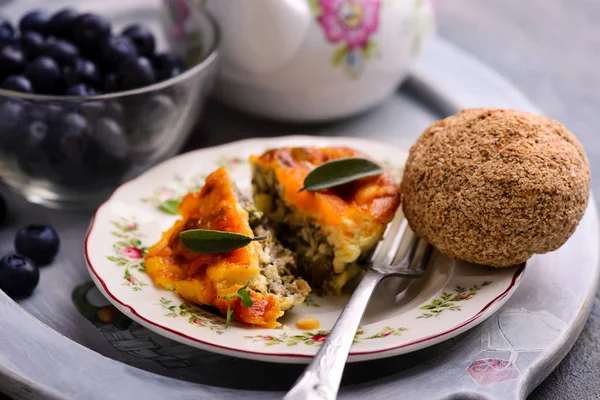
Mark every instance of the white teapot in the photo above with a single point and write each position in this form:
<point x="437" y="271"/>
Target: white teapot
<point x="311" y="60"/>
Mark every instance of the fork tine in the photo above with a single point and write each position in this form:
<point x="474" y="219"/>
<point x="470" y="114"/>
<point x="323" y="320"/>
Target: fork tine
<point x="409" y="254"/>
<point x="388" y="247"/>
<point x="425" y="258"/>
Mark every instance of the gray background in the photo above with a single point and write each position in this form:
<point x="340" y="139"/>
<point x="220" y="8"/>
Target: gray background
<point x="550" y="49"/>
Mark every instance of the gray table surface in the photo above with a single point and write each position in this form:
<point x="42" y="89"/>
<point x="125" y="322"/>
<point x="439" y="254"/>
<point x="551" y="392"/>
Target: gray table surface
<point x="548" y="49"/>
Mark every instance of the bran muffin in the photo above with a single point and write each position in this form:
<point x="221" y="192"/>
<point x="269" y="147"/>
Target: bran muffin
<point x="494" y="186"/>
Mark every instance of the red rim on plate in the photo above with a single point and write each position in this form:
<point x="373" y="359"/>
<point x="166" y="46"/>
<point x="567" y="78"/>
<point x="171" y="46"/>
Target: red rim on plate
<point x="420" y="343"/>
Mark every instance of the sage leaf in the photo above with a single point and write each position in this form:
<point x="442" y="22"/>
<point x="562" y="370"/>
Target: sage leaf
<point x="339" y="172"/>
<point x="170" y="206"/>
<point x="206" y="241"/>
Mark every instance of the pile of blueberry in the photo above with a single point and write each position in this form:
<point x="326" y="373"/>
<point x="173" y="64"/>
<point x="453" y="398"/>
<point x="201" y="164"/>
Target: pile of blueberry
<point x="76" y="54"/>
<point x="83" y="144"/>
<point x="36" y="246"/>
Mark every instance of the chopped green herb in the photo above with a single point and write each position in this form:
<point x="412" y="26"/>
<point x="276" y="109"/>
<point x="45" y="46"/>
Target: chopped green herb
<point x="170" y="206"/>
<point x="244" y="295"/>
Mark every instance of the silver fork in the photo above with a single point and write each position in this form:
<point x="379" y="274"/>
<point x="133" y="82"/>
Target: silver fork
<point x="321" y="379"/>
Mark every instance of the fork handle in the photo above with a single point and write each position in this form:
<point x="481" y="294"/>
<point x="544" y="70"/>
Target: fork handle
<point x="321" y="379"/>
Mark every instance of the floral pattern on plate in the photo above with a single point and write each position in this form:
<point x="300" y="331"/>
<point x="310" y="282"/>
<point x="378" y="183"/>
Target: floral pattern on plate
<point x="195" y="315"/>
<point x="129" y="221"/>
<point x="128" y="252"/>
<point x="316" y="338"/>
<point x="448" y="300"/>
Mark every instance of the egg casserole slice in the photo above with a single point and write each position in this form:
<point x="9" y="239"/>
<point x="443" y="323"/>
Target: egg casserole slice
<point x="330" y="231"/>
<point x="265" y="266"/>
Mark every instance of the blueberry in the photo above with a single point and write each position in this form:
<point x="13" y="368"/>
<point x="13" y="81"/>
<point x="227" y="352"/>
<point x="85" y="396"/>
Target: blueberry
<point x="114" y="110"/>
<point x="110" y="157"/>
<point x="90" y="30"/>
<point x="32" y="156"/>
<point x="32" y="44"/>
<point x="134" y="73"/>
<point x="12" y="60"/>
<point x="7" y="32"/>
<point x="45" y="112"/>
<point x="12" y="117"/>
<point x="142" y="38"/>
<point x="167" y="65"/>
<point x="35" y="20"/>
<point x="93" y="110"/>
<point x="116" y="50"/>
<point x="68" y="141"/>
<point x="80" y="89"/>
<point x="2" y="210"/>
<point x="60" y="24"/>
<point x="17" y="83"/>
<point x="84" y="71"/>
<point x="67" y="147"/>
<point x="44" y="74"/>
<point x="61" y="51"/>
<point x="37" y="242"/>
<point x="108" y="134"/>
<point x="110" y="83"/>
<point x="18" y="276"/>
<point x="52" y="111"/>
<point x="160" y="109"/>
<point x="167" y="60"/>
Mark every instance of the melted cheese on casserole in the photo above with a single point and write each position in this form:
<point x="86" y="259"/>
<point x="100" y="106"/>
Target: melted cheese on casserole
<point x="202" y="278"/>
<point x="352" y="216"/>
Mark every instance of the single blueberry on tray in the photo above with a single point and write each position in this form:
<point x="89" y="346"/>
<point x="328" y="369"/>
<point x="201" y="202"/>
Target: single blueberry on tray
<point x="40" y="243"/>
<point x="142" y="38"/>
<point x="62" y="51"/>
<point x="17" y="83"/>
<point x="44" y="74"/>
<point x="32" y="44"/>
<point x="19" y="276"/>
<point x="116" y="50"/>
<point x="12" y="60"/>
<point x="90" y="30"/>
<point x="134" y="73"/>
<point x="7" y="32"/>
<point x="60" y="24"/>
<point x="35" y="20"/>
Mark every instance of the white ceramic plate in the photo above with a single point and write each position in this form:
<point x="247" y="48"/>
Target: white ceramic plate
<point x="451" y="298"/>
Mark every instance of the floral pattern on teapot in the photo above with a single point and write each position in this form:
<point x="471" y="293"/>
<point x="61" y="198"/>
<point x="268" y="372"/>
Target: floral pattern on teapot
<point x="350" y="23"/>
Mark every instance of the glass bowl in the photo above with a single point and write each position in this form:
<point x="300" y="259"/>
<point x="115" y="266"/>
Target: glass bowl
<point x="124" y="133"/>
